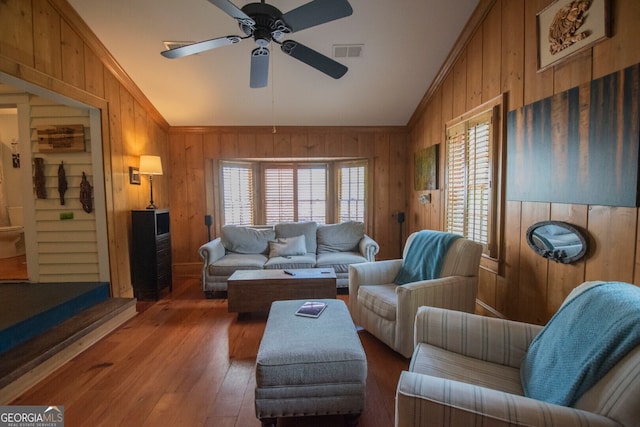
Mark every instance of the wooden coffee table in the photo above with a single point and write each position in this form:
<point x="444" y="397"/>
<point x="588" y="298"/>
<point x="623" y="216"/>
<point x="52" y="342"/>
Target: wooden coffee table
<point x="255" y="290"/>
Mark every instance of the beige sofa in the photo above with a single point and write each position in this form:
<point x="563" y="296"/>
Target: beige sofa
<point x="285" y="246"/>
<point x="466" y="370"/>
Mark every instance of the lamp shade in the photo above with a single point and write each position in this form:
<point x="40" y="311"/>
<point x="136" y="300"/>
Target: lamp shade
<point x="150" y="165"/>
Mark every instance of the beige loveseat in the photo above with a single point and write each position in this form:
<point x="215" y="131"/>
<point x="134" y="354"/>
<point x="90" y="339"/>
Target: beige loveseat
<point x="285" y="246"/>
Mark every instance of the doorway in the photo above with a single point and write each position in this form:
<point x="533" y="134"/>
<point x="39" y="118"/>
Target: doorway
<point x="13" y="262"/>
<point x="63" y="242"/>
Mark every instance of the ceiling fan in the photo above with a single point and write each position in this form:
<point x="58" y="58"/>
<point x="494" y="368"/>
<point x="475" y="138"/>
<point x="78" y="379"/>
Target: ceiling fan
<point x="266" y="24"/>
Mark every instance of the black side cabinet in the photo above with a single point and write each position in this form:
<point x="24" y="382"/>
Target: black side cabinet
<point x="150" y="252"/>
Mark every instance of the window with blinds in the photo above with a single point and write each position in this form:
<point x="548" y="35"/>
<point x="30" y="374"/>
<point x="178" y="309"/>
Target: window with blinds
<point x="470" y="196"/>
<point x="278" y="195"/>
<point x="351" y="191"/>
<point x="300" y="191"/>
<point x="238" y="197"/>
<point x="295" y="193"/>
<point x="312" y="194"/>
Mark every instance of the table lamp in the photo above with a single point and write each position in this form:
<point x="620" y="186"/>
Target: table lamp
<point x="150" y="165"/>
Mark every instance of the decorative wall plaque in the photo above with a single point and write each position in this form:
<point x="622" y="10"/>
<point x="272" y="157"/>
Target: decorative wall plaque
<point x="86" y="194"/>
<point x="566" y="27"/>
<point x="60" y="138"/>
<point x="62" y="182"/>
<point x="39" y="178"/>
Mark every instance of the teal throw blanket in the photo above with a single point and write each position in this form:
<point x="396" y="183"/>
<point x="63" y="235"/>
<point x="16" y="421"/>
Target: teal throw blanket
<point x="425" y="256"/>
<point x="582" y="342"/>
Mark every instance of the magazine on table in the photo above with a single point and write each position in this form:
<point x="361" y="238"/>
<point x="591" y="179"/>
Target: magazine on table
<point x="311" y="309"/>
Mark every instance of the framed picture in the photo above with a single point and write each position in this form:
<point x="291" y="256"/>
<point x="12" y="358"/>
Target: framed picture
<point x="426" y="169"/>
<point x="134" y="175"/>
<point x="566" y="27"/>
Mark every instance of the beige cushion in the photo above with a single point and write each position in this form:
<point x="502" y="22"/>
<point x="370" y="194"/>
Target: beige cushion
<point x="343" y="237"/>
<point x="287" y="246"/>
<point x="431" y="360"/>
<point x="380" y="299"/>
<point x="231" y="262"/>
<point x="293" y="229"/>
<point x="247" y="240"/>
<point x="339" y="261"/>
<point x="291" y="262"/>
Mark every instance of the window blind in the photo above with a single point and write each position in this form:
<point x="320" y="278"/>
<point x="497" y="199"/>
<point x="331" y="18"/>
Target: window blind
<point x="469" y="201"/>
<point x="279" y="196"/>
<point x="478" y="199"/>
<point x="237" y="181"/>
<point x="312" y="194"/>
<point x="351" y="193"/>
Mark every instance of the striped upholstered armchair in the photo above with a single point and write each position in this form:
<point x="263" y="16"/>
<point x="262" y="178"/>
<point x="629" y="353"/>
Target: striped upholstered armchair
<point x="469" y="370"/>
<point x="387" y="310"/>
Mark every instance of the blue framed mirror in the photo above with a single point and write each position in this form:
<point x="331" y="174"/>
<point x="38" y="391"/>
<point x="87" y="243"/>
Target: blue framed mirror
<point x="557" y="241"/>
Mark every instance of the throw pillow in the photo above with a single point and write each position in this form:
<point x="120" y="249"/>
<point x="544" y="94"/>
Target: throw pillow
<point x="287" y="246"/>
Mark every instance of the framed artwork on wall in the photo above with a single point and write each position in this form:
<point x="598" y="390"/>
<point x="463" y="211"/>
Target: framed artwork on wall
<point x="566" y="27"/>
<point x="426" y="169"/>
<point x="561" y="152"/>
<point x="134" y="175"/>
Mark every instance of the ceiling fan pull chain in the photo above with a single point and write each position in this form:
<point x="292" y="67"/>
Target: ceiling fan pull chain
<point x="273" y="102"/>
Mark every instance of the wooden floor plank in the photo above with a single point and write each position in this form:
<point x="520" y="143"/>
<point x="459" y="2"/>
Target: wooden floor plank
<point x="186" y="361"/>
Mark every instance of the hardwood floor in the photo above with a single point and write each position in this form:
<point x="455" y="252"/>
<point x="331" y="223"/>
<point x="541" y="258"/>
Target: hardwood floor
<point x="186" y="361"/>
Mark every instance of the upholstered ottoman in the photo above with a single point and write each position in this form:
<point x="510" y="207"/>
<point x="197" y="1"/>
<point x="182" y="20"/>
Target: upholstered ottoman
<point x="310" y="366"/>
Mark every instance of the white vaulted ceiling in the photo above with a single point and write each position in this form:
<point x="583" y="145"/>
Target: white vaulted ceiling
<point x="405" y="42"/>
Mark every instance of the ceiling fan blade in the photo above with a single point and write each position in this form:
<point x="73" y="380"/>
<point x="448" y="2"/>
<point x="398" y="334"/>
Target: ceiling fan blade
<point x="316" y="12"/>
<point x="198" y="47"/>
<point x="313" y="58"/>
<point x="233" y="11"/>
<point x="259" y="67"/>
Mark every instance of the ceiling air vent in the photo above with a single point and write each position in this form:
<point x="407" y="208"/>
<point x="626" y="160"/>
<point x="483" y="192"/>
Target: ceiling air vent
<point x="347" y="50"/>
<point x="173" y="45"/>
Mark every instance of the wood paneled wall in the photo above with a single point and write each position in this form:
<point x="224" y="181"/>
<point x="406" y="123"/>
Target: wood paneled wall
<point x="45" y="43"/>
<point x="499" y="56"/>
<point x="194" y="151"/>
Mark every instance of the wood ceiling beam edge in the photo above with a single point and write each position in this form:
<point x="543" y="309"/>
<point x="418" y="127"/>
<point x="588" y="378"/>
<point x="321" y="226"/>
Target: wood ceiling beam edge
<point x="69" y="14"/>
<point x="475" y="20"/>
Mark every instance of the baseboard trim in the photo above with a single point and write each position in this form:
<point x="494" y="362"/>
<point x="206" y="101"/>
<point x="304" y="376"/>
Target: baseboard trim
<point x="491" y="310"/>
<point x="187" y="269"/>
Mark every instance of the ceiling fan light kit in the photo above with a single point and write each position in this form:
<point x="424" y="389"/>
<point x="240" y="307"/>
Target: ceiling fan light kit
<point x="265" y="24"/>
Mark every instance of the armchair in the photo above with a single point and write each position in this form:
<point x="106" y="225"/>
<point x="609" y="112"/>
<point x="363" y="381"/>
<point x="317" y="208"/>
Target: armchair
<point x="466" y="370"/>
<point x="388" y="310"/>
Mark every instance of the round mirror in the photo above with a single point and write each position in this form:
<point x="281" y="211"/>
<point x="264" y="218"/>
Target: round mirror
<point x="557" y="241"/>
